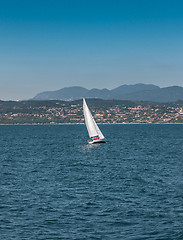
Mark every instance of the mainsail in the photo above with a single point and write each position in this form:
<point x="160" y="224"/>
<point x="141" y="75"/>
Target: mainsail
<point x="93" y="129"/>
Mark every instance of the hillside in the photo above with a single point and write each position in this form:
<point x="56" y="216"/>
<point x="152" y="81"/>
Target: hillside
<point x="104" y="111"/>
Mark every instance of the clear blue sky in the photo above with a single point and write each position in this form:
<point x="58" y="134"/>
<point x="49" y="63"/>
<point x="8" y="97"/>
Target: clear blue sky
<point x="51" y="44"/>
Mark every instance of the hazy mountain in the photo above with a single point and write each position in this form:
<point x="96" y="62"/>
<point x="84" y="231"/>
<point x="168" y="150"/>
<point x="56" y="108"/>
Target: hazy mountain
<point x="139" y="92"/>
<point x="68" y="93"/>
<point x="168" y="94"/>
<point x="123" y="91"/>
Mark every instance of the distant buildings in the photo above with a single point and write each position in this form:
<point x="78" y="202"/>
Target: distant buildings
<point x="73" y="113"/>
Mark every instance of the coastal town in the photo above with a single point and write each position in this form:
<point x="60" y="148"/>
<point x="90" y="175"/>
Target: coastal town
<point x="104" y="112"/>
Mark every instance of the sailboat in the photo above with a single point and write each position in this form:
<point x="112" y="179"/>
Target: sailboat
<point x="93" y="130"/>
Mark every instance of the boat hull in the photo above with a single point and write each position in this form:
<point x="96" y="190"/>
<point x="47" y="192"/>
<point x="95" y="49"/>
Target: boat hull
<point x="97" y="141"/>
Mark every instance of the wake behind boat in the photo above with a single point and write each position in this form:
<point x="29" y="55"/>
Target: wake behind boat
<point x="93" y="130"/>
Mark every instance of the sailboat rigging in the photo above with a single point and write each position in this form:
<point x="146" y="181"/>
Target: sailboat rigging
<point x="93" y="130"/>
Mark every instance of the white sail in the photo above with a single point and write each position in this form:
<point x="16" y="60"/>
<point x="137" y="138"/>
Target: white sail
<point x="93" y="129"/>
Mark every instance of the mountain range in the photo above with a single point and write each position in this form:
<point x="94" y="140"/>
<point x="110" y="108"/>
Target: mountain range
<point x="136" y="92"/>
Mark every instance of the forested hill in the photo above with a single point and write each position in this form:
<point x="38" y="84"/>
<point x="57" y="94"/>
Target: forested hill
<point x="27" y="106"/>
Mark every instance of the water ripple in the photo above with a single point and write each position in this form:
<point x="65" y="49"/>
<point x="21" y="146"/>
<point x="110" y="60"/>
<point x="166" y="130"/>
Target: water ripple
<point x="56" y="186"/>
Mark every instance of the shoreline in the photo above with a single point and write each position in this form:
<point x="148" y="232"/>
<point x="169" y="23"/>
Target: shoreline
<point x="57" y="124"/>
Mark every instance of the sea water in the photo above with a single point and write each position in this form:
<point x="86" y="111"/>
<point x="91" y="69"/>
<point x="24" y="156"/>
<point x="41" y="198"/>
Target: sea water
<point x="53" y="185"/>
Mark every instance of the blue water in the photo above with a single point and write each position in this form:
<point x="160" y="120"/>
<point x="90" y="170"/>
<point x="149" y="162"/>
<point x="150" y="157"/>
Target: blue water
<point x="56" y="186"/>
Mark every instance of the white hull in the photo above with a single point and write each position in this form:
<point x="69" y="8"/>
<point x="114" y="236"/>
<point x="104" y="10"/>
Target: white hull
<point x="96" y="141"/>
